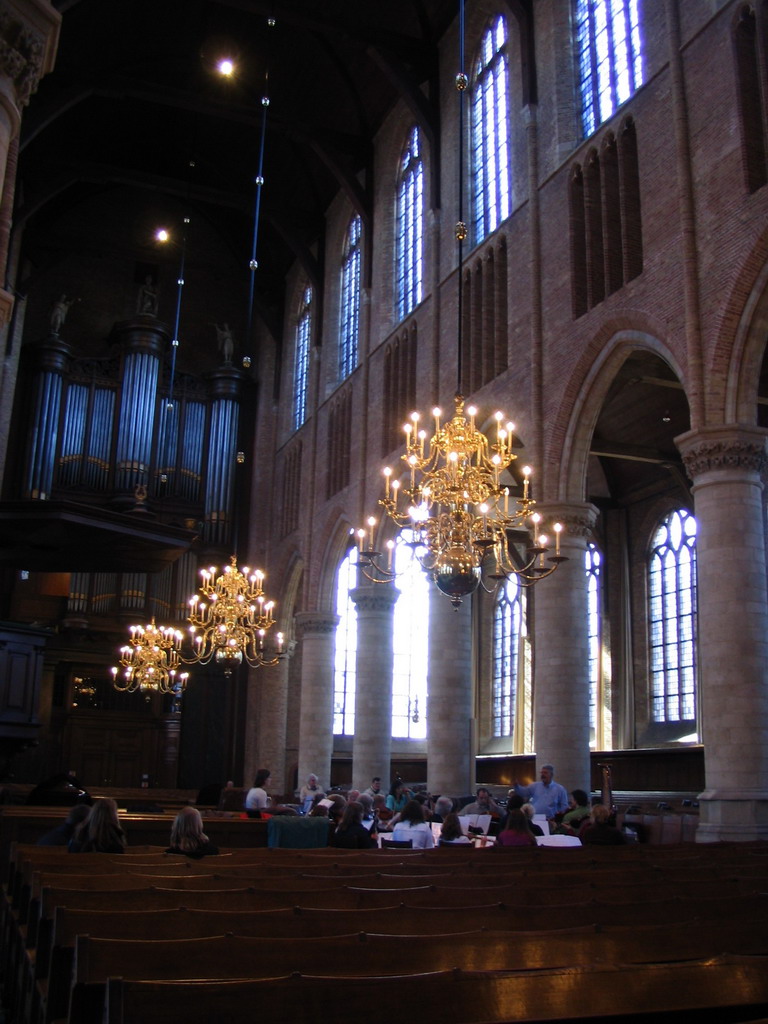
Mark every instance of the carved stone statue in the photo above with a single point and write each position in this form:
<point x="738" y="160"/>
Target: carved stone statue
<point x="59" y="311"/>
<point x="225" y="341"/>
<point x="147" y="299"/>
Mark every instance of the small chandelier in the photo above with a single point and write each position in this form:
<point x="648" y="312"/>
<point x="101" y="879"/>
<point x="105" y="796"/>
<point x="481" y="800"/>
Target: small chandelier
<point x="234" y="622"/>
<point x="460" y="515"/>
<point x="151" y="661"/>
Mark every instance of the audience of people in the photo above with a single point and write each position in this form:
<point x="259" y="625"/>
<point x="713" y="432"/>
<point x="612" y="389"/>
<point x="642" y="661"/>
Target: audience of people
<point x="358" y="820"/>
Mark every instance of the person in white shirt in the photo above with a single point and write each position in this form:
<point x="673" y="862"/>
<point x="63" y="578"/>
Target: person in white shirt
<point x="256" y="799"/>
<point x="412" y="826"/>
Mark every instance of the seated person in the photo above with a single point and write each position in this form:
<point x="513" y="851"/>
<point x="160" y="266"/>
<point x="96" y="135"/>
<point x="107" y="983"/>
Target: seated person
<point x="597" y="830"/>
<point x="443" y="807"/>
<point x="451" y="833"/>
<point x="308" y="792"/>
<point x="61" y="835"/>
<point x="413" y="826"/>
<point x="256" y="799"/>
<point x="516" y="831"/>
<point x="350" y="833"/>
<point x="573" y="818"/>
<point x="529" y="811"/>
<point x="483" y="804"/>
<point x="101" y="831"/>
<point x="187" y="836"/>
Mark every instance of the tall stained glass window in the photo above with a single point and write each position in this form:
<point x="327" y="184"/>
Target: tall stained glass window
<point x="672" y="618"/>
<point x="411" y="640"/>
<point x="490" y="132"/>
<point x="507" y="622"/>
<point x="593" y="561"/>
<point x="301" y="366"/>
<point x="410" y="227"/>
<point x="350" y="299"/>
<point x="609" y="55"/>
<point x="344" y="677"/>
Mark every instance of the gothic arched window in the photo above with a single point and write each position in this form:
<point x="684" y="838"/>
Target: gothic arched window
<point x="411" y="644"/>
<point x="609" y="56"/>
<point x="410" y="227"/>
<point x="344" y="676"/>
<point x="593" y="565"/>
<point x="301" y="365"/>
<point x="350" y="299"/>
<point x="490" y="131"/>
<point x="672" y="618"/>
<point x="507" y="625"/>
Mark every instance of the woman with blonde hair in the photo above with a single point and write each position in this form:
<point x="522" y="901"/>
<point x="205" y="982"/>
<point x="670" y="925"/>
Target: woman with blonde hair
<point x="101" y="831"/>
<point x="187" y="836"/>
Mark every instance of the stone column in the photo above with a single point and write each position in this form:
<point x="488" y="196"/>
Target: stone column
<point x="450" y="765"/>
<point x="373" y="692"/>
<point x="725" y="464"/>
<point x="561" y="652"/>
<point x="317" y="633"/>
<point x="267" y="716"/>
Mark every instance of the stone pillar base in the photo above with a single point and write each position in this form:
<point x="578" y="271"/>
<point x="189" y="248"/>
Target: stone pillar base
<point x="732" y="816"/>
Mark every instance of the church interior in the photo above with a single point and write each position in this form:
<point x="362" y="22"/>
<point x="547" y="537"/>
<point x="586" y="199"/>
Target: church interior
<point x="569" y="227"/>
<point x="383" y="394"/>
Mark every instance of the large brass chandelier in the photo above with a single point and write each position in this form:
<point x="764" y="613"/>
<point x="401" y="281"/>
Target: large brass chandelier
<point x="463" y="522"/>
<point x="151" y="661"/>
<point x="233" y="621"/>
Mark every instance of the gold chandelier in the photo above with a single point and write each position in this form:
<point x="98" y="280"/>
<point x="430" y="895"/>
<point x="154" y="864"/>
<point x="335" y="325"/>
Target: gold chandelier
<point x="151" y="661"/>
<point x="462" y="518"/>
<point x="234" y="622"/>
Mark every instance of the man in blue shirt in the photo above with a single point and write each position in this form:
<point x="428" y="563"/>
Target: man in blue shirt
<point x="548" y="797"/>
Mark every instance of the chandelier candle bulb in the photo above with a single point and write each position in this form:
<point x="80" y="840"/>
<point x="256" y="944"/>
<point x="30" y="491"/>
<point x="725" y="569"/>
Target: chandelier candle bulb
<point x="558" y="529"/>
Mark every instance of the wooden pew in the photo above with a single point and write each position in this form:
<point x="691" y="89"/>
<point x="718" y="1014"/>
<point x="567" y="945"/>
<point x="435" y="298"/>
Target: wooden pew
<point x="726" y="985"/>
<point x="364" y="954"/>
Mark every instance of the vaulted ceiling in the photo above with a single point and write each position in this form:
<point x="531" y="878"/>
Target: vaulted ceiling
<point x="135" y="100"/>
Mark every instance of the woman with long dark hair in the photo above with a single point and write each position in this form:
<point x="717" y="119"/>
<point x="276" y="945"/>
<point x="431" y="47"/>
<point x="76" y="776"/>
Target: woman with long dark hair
<point x="101" y="831"/>
<point x="516" y="831"/>
<point x="350" y="833"/>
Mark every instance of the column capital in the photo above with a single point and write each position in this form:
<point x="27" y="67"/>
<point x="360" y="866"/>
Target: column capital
<point x="579" y="518"/>
<point x="727" y="447"/>
<point x="375" y="597"/>
<point x="29" y="37"/>
<point x="315" y="623"/>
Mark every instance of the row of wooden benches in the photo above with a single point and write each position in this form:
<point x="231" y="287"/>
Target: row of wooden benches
<point x="79" y="948"/>
<point x="74" y="937"/>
